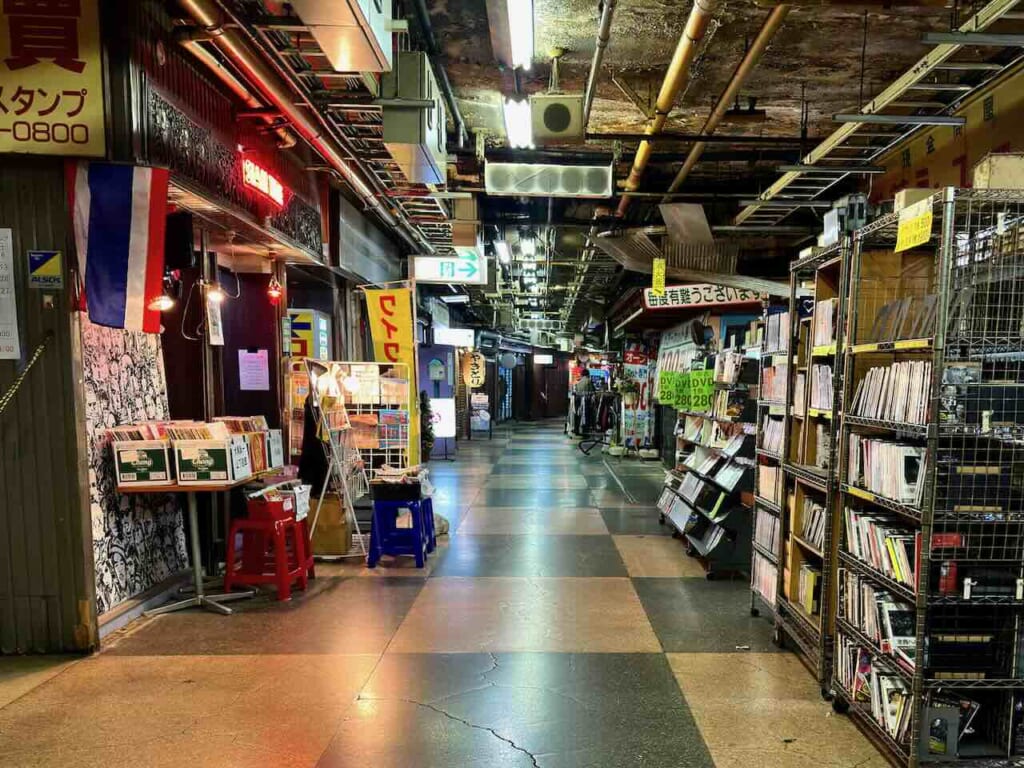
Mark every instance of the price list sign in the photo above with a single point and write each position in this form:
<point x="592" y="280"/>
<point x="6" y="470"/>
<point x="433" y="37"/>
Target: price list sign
<point x="10" y="344"/>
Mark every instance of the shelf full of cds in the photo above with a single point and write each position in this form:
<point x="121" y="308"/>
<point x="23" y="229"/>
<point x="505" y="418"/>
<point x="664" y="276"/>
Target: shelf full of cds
<point x="769" y="502"/>
<point x="806" y="428"/>
<point x="929" y="643"/>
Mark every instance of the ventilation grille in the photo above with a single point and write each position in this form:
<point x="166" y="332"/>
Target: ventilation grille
<point x="540" y="180"/>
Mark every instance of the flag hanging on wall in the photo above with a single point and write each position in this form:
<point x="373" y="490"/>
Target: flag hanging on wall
<point x="120" y="215"/>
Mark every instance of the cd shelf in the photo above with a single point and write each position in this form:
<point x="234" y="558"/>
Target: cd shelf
<point x="935" y="343"/>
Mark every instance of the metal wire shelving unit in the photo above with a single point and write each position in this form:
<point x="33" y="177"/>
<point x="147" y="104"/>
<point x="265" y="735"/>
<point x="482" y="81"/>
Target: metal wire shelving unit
<point x="967" y="525"/>
<point x="808" y="464"/>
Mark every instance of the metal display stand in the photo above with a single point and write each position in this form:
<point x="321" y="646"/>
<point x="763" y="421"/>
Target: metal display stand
<point x="809" y="462"/>
<point x="958" y="298"/>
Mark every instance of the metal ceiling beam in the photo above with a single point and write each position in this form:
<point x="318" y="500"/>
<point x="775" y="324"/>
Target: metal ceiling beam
<point x="973" y="38"/>
<point x="665" y="137"/>
<point x="989" y="14"/>
<point x="900" y="119"/>
<point x="861" y="169"/>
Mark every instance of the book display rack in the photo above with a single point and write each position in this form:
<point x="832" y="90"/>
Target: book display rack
<point x="769" y="500"/>
<point x="806" y="490"/>
<point x="929" y="640"/>
<point x="707" y="497"/>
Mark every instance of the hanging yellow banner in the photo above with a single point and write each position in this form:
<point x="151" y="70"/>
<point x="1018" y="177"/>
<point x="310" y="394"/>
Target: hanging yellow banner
<point x="51" y="78"/>
<point x="658" y="278"/>
<point x="915" y="227"/>
<point x="391" y="328"/>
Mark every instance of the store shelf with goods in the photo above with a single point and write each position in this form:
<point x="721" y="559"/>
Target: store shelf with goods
<point x="807" y="495"/>
<point x="929" y="443"/>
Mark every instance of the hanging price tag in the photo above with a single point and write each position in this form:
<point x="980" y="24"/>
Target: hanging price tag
<point x="915" y="227"/>
<point x="658" y="278"/>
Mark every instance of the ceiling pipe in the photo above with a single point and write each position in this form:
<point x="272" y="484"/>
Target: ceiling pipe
<point x="233" y="46"/>
<point x="441" y="74"/>
<point x="286" y="140"/>
<point x="739" y="77"/>
<point x="696" y="27"/>
<point x="604" y="33"/>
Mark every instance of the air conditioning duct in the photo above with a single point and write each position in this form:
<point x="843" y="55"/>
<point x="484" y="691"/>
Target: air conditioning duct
<point x="544" y="180"/>
<point x="355" y="35"/>
<point x="415" y="135"/>
<point x="557" y="118"/>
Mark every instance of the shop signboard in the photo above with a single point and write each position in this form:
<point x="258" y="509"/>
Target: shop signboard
<point x="443" y="416"/>
<point x="10" y="339"/>
<point x="390" y="312"/>
<point x="658" y="278"/>
<point x="915" y="226"/>
<point x="468" y="267"/>
<point x="474" y="370"/>
<point x="455" y="337"/>
<point x="479" y="412"/>
<point x="697" y="296"/>
<point x="636" y="418"/>
<point x="675" y="355"/>
<point x="46" y="270"/>
<point x="51" y="78"/>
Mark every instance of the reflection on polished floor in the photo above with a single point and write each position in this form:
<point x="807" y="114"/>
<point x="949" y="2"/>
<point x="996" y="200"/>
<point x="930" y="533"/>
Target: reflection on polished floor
<point x="560" y="627"/>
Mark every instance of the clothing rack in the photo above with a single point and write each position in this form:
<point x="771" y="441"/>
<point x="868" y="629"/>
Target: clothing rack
<point x="592" y="416"/>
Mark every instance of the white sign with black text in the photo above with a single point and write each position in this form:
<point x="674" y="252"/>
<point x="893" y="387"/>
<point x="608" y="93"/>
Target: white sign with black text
<point x="10" y="339"/>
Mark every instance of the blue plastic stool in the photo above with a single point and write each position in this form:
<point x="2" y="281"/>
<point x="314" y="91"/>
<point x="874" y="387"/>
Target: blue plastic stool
<point x="428" y="520"/>
<point x="387" y="539"/>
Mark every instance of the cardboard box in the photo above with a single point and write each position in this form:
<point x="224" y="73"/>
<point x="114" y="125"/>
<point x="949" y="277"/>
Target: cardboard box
<point x="143" y="462"/>
<point x="999" y="171"/>
<point x="910" y="195"/>
<point x="333" y="534"/>
<point x="212" y="461"/>
<point x="275" y="449"/>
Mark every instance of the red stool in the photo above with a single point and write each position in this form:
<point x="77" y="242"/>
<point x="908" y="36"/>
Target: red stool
<point x="266" y="556"/>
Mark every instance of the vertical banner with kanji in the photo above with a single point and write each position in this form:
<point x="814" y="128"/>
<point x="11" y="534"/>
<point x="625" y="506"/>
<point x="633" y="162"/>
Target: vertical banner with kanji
<point x="394" y="341"/>
<point x="51" y="78"/>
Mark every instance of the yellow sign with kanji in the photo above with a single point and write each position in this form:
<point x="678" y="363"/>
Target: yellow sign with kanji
<point x="51" y="78"/>
<point x="915" y="226"/>
<point x="658" y="278"/>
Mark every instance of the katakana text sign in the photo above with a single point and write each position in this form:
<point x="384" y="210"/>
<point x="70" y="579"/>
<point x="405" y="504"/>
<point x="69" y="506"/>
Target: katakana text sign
<point x="51" y="78"/>
<point x="391" y="321"/>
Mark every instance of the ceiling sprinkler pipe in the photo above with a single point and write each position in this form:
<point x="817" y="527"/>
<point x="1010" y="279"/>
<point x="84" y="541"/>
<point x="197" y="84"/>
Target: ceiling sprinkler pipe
<point x="604" y="33"/>
<point x="678" y="71"/>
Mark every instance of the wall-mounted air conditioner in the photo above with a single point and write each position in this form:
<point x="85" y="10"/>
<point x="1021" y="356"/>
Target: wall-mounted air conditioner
<point x="557" y="119"/>
<point x="541" y="180"/>
<point x="415" y="136"/>
<point x="354" y="34"/>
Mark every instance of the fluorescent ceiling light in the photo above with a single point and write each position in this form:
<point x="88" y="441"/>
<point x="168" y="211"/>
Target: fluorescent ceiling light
<point x="518" y="124"/>
<point x="529" y="247"/>
<point x="858" y="169"/>
<point x="501" y="248"/>
<point x="899" y="119"/>
<point x="520" y="32"/>
<point x="456" y="298"/>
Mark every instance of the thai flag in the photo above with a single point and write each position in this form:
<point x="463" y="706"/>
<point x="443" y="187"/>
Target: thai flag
<point x="120" y="215"/>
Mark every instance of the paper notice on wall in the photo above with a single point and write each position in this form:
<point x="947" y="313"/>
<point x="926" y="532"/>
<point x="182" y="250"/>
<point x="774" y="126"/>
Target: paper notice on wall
<point x="253" y="370"/>
<point x="10" y="340"/>
<point x="214" y="324"/>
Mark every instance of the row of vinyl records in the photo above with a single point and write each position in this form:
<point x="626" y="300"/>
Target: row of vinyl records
<point x="897" y="392"/>
<point x="882" y="692"/>
<point x="772" y="432"/>
<point x="702" y="532"/>
<point x="890" y="623"/>
<point x="766" y="531"/>
<point x="776" y="337"/>
<point x="799" y="388"/>
<point x="769" y="483"/>
<point x="815" y="520"/>
<point x="764" y="577"/>
<point x="890" y="469"/>
<point x="876" y="540"/>
<point x="219" y="429"/>
<point x="733" y="367"/>
<point x="825" y="322"/>
<point x="731" y="404"/>
<point x="821" y="387"/>
<point x="809" y="588"/>
<point x="773" y="382"/>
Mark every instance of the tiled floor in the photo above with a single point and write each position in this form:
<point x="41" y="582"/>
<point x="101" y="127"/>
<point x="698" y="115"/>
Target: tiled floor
<point x="559" y="627"/>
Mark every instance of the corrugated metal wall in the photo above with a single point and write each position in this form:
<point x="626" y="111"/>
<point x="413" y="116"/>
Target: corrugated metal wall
<point x="45" y="554"/>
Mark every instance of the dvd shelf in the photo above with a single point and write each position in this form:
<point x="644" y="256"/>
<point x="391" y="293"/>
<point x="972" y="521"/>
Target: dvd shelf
<point x="929" y="645"/>
<point x="706" y="498"/>
<point x="807" y="495"/>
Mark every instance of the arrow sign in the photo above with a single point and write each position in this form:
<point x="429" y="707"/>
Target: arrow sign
<point x="462" y="269"/>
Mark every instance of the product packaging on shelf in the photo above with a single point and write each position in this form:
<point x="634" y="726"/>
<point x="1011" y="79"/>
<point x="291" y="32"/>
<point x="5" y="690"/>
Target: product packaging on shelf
<point x="143" y="462"/>
<point x="212" y="461"/>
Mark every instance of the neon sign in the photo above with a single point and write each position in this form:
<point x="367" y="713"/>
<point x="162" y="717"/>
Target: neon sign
<point x="262" y="181"/>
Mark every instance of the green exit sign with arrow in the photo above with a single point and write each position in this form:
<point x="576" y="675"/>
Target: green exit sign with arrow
<point x="467" y="267"/>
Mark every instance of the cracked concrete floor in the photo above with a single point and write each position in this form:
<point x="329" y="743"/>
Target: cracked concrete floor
<point x="541" y="636"/>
